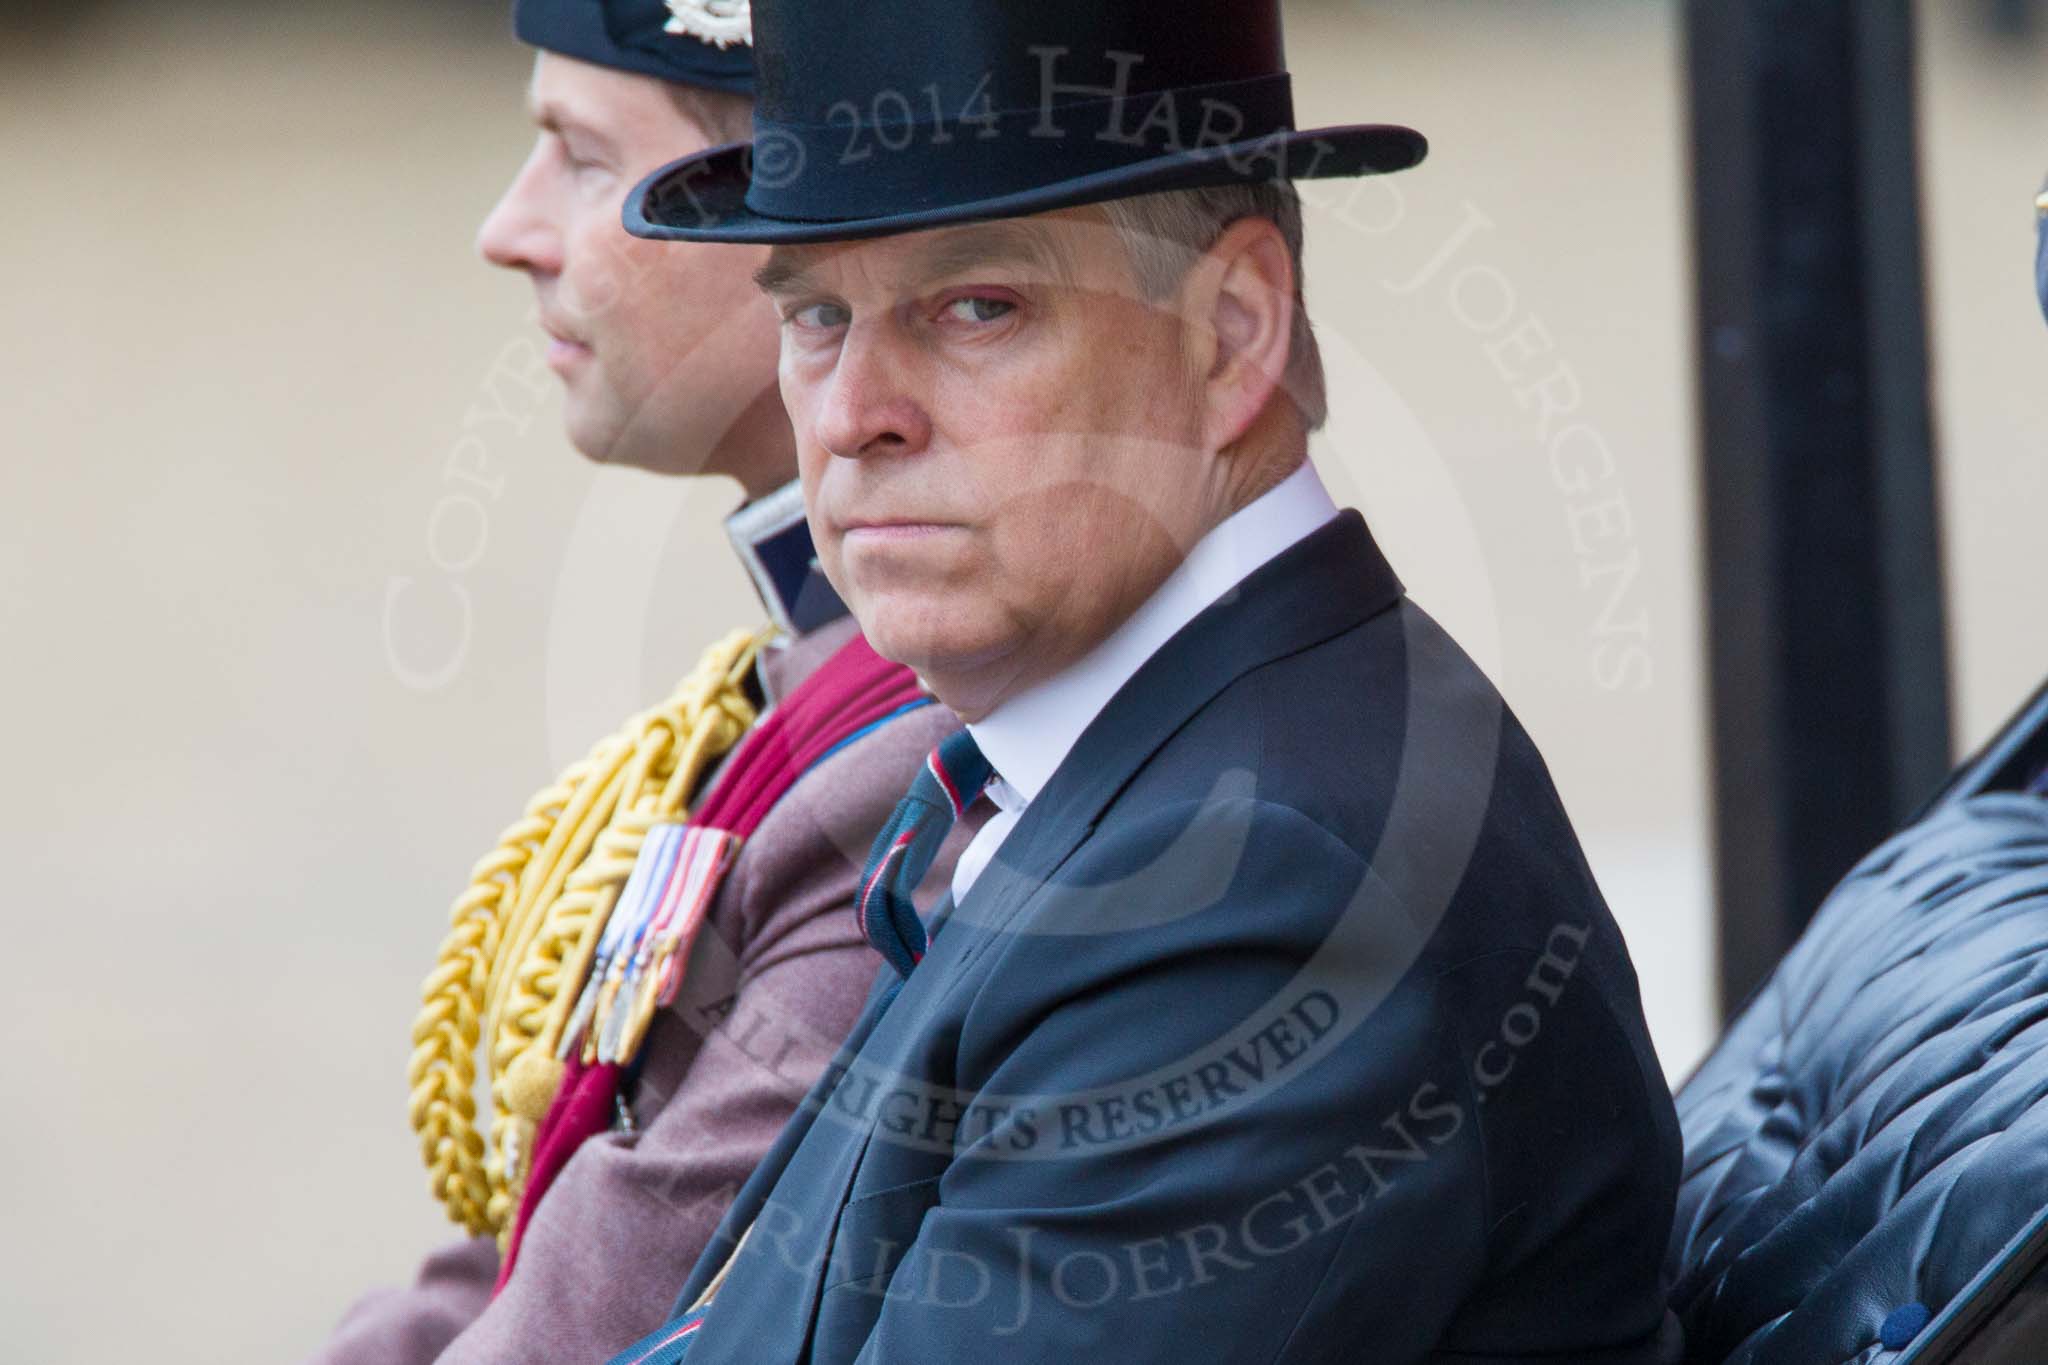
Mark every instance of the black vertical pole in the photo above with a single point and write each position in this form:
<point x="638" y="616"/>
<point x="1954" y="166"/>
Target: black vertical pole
<point x="1829" y="675"/>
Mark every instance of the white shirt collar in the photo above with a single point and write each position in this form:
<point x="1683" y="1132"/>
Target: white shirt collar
<point x="1029" y="736"/>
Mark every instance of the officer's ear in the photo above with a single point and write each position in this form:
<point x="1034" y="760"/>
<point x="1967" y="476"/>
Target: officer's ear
<point x="1240" y="305"/>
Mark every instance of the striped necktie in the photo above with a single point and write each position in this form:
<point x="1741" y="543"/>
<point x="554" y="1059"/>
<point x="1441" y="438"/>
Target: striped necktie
<point x="954" y="776"/>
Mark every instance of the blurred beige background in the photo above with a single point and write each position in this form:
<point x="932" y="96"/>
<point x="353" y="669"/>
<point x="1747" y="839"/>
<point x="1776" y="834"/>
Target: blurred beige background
<point x="277" y="671"/>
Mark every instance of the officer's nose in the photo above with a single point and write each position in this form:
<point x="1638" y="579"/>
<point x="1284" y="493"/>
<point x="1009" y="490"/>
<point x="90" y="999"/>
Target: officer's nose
<point x="518" y="233"/>
<point x="869" y="405"/>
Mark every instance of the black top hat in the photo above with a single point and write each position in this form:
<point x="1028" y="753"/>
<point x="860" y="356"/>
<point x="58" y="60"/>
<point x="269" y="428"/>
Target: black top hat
<point x="643" y="36"/>
<point x="875" y="117"/>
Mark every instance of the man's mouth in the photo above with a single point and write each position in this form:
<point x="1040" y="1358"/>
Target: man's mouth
<point x="893" y="528"/>
<point x="564" y="349"/>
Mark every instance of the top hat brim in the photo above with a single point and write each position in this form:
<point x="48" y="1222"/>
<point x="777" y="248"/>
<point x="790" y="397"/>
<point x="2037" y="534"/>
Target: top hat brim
<point x="703" y="198"/>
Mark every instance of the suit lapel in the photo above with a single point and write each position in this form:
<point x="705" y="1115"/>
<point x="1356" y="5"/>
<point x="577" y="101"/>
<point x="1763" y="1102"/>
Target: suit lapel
<point x="753" y="1195"/>
<point x="822" y="1184"/>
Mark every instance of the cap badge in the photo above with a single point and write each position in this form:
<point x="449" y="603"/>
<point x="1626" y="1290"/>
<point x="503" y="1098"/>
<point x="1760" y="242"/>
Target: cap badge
<point x="718" y="22"/>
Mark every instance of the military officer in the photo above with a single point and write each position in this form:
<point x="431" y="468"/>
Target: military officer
<point x="652" y="965"/>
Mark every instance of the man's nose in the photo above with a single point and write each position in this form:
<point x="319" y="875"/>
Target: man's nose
<point x="870" y="406"/>
<point x="516" y="234"/>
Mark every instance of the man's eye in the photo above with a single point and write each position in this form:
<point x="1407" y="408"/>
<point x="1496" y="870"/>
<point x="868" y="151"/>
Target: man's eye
<point x="573" y="156"/>
<point x="824" y="316"/>
<point x="589" y="173"/>
<point x="978" y="308"/>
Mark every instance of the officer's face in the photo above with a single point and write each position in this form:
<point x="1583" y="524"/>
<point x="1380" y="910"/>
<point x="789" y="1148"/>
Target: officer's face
<point x="666" y="354"/>
<point x="1001" y="442"/>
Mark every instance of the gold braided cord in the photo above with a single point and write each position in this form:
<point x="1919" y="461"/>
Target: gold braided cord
<point x="442" y="1071"/>
<point x="521" y="936"/>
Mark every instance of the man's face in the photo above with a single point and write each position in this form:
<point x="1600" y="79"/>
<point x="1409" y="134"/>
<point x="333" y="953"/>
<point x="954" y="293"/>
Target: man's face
<point x="999" y="441"/>
<point x="666" y="354"/>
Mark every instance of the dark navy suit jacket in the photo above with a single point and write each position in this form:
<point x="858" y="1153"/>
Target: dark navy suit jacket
<point x="1287" y="1026"/>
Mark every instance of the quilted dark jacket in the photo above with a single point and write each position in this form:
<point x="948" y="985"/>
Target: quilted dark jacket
<point x="1871" y="1133"/>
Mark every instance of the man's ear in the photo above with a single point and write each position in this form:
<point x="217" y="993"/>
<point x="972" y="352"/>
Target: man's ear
<point x="1248" y="294"/>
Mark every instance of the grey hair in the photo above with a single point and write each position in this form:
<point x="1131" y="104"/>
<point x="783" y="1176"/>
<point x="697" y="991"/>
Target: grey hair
<point x="1165" y="234"/>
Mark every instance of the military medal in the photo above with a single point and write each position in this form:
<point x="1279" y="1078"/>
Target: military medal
<point x="636" y="947"/>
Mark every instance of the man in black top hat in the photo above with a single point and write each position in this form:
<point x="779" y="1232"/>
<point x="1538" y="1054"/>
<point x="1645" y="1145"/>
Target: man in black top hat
<point x="1275" y="1015"/>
